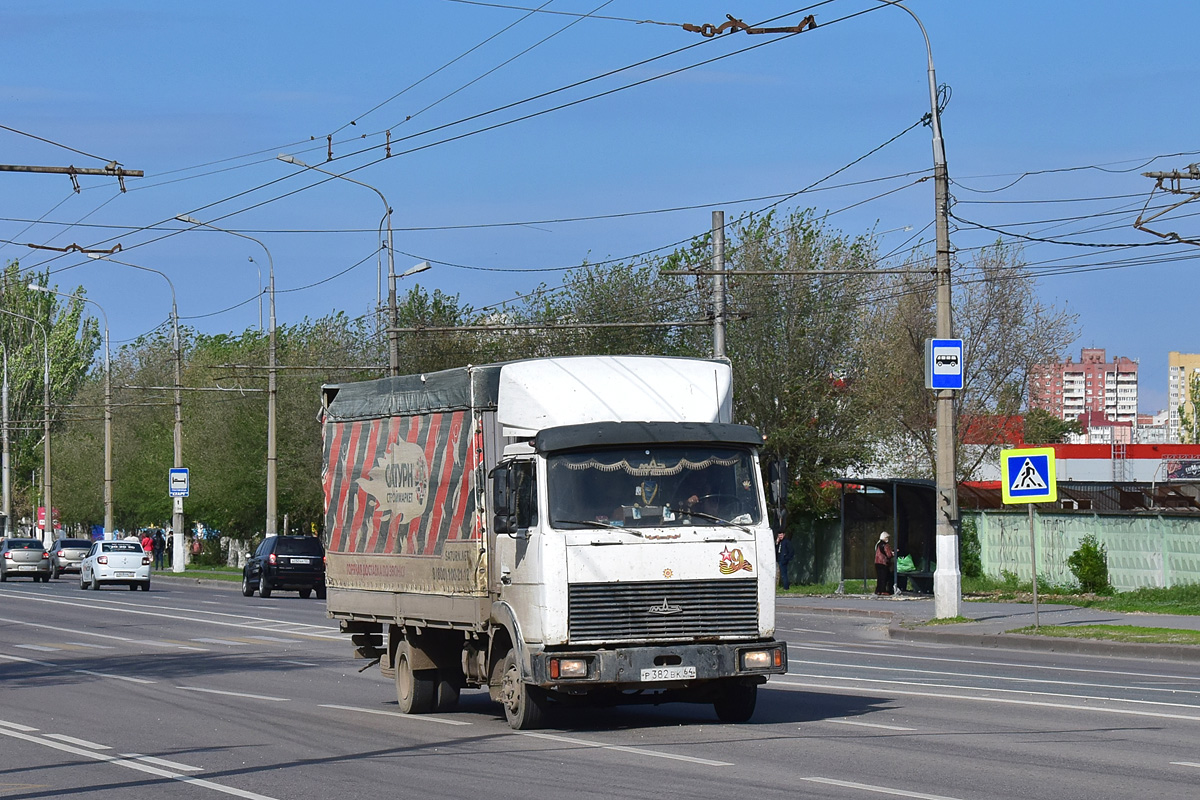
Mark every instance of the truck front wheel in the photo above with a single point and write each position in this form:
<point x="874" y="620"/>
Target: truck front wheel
<point x="735" y="701"/>
<point x="416" y="690"/>
<point x="524" y="705"/>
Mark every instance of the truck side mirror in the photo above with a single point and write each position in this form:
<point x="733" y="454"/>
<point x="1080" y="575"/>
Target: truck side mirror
<point x="777" y="482"/>
<point x="503" y="500"/>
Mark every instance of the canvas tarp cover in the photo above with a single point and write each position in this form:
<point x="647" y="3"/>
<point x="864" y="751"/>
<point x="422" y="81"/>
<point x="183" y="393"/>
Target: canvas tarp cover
<point x="430" y="392"/>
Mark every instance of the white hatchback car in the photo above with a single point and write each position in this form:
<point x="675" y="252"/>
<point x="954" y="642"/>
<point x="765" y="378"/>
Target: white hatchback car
<point x="115" y="562"/>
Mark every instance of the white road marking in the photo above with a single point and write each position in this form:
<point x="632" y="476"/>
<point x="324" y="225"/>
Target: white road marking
<point x="162" y="762"/>
<point x="220" y="641"/>
<point x="624" y="749"/>
<point x="896" y="656"/>
<point x="298" y="663"/>
<point x="274" y="639"/>
<point x="890" y="669"/>
<point x="62" y="737"/>
<point x="866" y="787"/>
<point x="126" y="678"/>
<point x="135" y="765"/>
<point x="173" y="645"/>
<point x="869" y="724"/>
<point x="324" y="632"/>
<point x="233" y="694"/>
<point x="93" y="646"/>
<point x="28" y="661"/>
<point x="975" y="698"/>
<point x="1185" y="764"/>
<point x="414" y="717"/>
<point x="38" y="647"/>
<point x="1188" y="706"/>
<point x="16" y="726"/>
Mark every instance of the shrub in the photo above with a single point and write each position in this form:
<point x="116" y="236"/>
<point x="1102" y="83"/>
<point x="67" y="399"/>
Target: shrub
<point x="970" y="552"/>
<point x="1089" y="565"/>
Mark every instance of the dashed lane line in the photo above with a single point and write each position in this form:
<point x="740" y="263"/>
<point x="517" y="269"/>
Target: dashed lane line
<point x="641" y="751"/>
<point x="867" y="787"/>
<point x="139" y="765"/>
<point x="162" y="762"/>
<point x="62" y="737"/>
<point x="861" y="724"/>
<point x="414" y="717"/>
<point x="233" y="694"/>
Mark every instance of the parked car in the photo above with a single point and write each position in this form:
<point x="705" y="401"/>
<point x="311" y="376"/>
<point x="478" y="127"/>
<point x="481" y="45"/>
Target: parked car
<point x="65" y="555"/>
<point x="290" y="563"/>
<point x="115" y="562"/>
<point x="26" y="558"/>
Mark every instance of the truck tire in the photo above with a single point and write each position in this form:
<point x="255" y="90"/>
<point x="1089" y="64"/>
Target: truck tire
<point x="448" y="687"/>
<point x="416" y="689"/>
<point x="524" y="705"/>
<point x="735" y="701"/>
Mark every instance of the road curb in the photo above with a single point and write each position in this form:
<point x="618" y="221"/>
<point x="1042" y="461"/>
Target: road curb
<point x="1048" y="644"/>
<point x="211" y="582"/>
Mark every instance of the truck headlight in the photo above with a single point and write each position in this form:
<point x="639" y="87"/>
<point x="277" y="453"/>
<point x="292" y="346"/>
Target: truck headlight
<point x="568" y="668"/>
<point x="762" y="659"/>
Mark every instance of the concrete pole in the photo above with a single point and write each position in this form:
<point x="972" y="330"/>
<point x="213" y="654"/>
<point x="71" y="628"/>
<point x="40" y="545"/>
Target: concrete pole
<point x="947" y="580"/>
<point x="718" y="265"/>
<point x="7" y="464"/>
<point x="179" y="555"/>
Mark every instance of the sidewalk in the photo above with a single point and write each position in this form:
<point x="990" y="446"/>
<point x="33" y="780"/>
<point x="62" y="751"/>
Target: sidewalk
<point x="991" y="623"/>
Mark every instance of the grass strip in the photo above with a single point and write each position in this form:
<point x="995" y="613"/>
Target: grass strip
<point x="1116" y="633"/>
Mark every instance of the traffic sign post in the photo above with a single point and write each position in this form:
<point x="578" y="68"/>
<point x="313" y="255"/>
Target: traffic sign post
<point x="943" y="363"/>
<point x="1027" y="475"/>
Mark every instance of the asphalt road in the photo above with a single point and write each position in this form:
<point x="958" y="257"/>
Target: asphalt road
<point x="193" y="691"/>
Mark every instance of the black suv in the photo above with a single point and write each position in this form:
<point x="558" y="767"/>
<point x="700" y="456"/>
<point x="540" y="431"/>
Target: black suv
<point x="291" y="563"/>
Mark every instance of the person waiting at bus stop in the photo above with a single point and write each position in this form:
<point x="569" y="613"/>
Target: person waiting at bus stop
<point x="883" y="564"/>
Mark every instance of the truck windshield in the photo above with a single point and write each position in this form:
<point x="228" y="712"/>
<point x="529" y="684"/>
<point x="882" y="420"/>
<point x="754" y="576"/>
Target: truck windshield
<point x="652" y="486"/>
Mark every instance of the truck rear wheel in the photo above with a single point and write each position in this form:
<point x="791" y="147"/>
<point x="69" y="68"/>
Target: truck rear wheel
<point x="524" y="705"/>
<point x="416" y="690"/>
<point x="735" y="702"/>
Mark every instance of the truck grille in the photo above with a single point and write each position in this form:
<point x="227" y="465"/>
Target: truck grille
<point x="664" y="610"/>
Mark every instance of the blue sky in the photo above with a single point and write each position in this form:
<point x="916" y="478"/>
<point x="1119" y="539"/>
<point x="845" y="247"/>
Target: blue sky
<point x="1057" y="109"/>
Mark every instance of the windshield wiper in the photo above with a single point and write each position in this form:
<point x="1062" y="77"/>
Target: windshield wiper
<point x="595" y="523"/>
<point x="715" y="518"/>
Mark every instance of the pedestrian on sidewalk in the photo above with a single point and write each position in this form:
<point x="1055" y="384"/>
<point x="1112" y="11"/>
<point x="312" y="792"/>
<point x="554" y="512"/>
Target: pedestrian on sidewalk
<point x="160" y="545"/>
<point x="783" y="556"/>
<point x="883" y="564"/>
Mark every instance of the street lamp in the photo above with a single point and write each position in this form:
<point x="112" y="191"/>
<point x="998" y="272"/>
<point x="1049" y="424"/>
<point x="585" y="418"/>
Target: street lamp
<point x="393" y="313"/>
<point x="177" y="548"/>
<point x="46" y="498"/>
<point x="947" y="580"/>
<point x="7" y="478"/>
<point x="272" y="459"/>
<point x="108" y="477"/>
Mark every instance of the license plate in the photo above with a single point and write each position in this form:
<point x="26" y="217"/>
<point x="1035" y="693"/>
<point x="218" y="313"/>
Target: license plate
<point x="668" y="673"/>
<point x="28" y="568"/>
<point x="121" y="574"/>
<point x="301" y="561"/>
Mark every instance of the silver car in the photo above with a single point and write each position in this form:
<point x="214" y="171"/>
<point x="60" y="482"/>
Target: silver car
<point x="66" y="554"/>
<point x="25" y="558"/>
<point x="115" y="562"/>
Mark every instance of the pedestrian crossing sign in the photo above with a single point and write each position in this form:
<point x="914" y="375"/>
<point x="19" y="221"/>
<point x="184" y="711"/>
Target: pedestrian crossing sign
<point x="1027" y="475"/>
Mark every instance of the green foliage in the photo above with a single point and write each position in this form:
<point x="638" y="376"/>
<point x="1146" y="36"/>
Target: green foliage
<point x="1042" y="427"/>
<point x="1089" y="565"/>
<point x="970" y="552"/>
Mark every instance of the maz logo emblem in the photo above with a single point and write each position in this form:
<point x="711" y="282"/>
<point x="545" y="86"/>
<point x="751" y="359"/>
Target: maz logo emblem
<point x="666" y="609"/>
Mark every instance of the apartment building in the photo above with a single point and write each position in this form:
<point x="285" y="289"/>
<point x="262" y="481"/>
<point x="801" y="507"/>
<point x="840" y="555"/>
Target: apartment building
<point x="1180" y="367"/>
<point x="1092" y="385"/>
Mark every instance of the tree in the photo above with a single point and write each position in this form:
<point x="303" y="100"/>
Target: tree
<point x="73" y="340"/>
<point x="1189" y="426"/>
<point x="1006" y="330"/>
<point x="1042" y="427"/>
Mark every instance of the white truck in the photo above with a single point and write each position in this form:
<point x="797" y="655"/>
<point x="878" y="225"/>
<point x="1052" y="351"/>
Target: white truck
<point x="563" y="531"/>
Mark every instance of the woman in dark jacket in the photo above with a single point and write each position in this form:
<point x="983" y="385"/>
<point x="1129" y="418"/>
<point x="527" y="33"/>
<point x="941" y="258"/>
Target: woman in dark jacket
<point x="883" y="564"/>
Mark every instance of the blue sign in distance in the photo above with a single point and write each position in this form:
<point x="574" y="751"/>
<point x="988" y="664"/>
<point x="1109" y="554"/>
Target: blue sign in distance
<point x="943" y="364"/>
<point x="179" y="483"/>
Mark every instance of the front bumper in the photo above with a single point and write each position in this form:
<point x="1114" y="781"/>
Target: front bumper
<point x="649" y="667"/>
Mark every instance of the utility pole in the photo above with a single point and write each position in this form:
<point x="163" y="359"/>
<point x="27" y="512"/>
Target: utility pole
<point x="718" y="265"/>
<point x="7" y="510"/>
<point x="1171" y="182"/>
